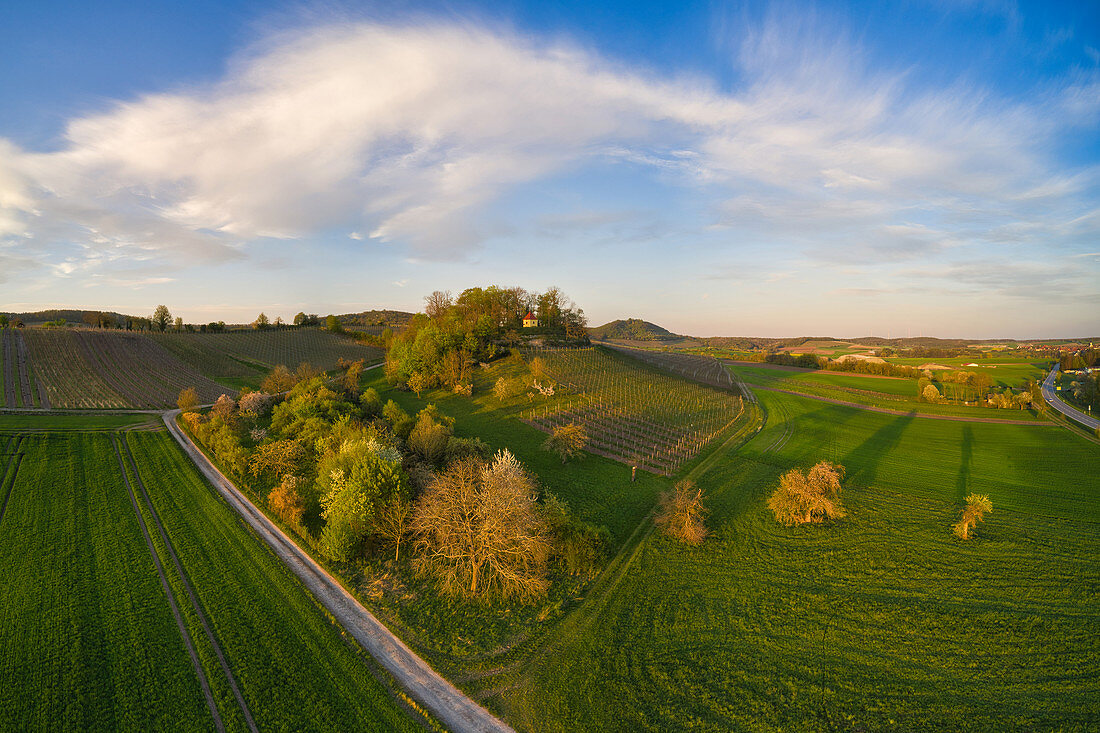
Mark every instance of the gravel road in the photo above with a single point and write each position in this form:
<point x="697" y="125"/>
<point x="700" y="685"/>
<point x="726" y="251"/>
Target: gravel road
<point x="444" y="701"/>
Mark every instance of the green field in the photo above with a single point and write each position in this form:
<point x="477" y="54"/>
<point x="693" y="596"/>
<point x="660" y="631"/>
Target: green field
<point x="881" y="621"/>
<point x="88" y="637"/>
<point x="1006" y="371"/>
<point x="887" y="392"/>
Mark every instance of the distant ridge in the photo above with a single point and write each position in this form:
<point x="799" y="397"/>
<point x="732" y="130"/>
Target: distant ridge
<point x="632" y="329"/>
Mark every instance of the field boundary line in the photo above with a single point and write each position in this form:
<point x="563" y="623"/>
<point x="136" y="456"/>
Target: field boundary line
<point x="190" y="591"/>
<point x="445" y="701"/>
<point x="171" y="598"/>
<point x="911" y="413"/>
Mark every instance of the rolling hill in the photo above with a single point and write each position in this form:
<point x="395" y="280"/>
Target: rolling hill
<point x="632" y="329"/>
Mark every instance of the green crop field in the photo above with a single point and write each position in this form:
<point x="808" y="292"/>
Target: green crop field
<point x="882" y="620"/>
<point x="87" y="635"/>
<point x="887" y="392"/>
<point x="1006" y="371"/>
<point x="242" y="353"/>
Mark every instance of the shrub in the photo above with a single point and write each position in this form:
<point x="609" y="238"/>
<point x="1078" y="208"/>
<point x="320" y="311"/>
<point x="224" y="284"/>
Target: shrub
<point x="808" y="498"/>
<point x="286" y="502"/>
<point x="567" y="441"/>
<point x="977" y="506"/>
<point x="680" y="513"/>
<point x="188" y="400"/>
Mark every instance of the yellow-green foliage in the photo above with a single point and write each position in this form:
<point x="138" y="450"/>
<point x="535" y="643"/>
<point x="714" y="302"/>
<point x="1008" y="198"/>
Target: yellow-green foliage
<point x="811" y="497"/>
<point x="977" y="506"/>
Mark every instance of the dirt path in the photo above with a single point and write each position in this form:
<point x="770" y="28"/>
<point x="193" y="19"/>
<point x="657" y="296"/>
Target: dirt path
<point x="171" y="598"/>
<point x="24" y="372"/>
<point x="189" y="589"/>
<point x="910" y="413"/>
<point x="9" y="370"/>
<point x="425" y="685"/>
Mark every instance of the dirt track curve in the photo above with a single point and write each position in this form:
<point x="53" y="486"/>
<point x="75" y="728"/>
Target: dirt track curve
<point x="444" y="701"/>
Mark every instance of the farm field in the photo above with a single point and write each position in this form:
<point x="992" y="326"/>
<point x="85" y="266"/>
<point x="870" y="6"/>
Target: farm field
<point x="1006" y="371"/>
<point x="19" y="387"/>
<point x="635" y="414"/>
<point x="888" y="392"/>
<point x="111" y="369"/>
<point x="109" y="654"/>
<point x="883" y="620"/>
<point x="244" y="353"/>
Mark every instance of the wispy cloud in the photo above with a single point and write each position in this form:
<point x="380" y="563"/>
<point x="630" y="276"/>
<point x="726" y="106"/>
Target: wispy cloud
<point x="407" y="134"/>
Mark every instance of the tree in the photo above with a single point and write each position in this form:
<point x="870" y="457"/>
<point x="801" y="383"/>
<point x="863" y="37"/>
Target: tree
<point x="931" y="394"/>
<point x="179" y="324"/>
<point x="162" y="317"/>
<point x="418" y="382"/>
<point x="332" y="323"/>
<point x="977" y="506"/>
<point x="352" y="372"/>
<point x="354" y="485"/>
<point x="429" y="437"/>
<point x="808" y="498"/>
<point x="681" y="513"/>
<point x="436" y="304"/>
<point x="480" y="532"/>
<point x="392" y="522"/>
<point x="261" y="322"/>
<point x="278" y="381"/>
<point x="567" y="441"/>
<point x="286" y="502"/>
<point x="281" y="457"/>
<point x="188" y="400"/>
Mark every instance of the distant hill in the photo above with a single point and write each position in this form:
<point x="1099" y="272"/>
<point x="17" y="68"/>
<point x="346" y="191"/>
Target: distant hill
<point x="69" y="315"/>
<point x="632" y="329"/>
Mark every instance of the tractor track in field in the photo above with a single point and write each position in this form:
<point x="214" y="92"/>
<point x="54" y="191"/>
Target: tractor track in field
<point x="188" y="587"/>
<point x="8" y="476"/>
<point x="442" y="699"/>
<point x="203" y="682"/>
<point x="909" y="413"/>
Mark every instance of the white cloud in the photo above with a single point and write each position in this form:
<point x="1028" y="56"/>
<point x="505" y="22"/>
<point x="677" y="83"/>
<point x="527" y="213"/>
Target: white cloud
<point x="405" y="134"/>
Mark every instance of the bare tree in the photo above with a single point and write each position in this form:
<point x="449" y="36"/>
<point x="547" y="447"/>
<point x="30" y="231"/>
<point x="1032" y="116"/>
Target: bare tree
<point x="681" y="513"/>
<point x="977" y="506"/>
<point x="479" y="530"/>
<point x="436" y="304"/>
<point x="808" y="498"/>
<point x="392" y="522"/>
<point x="567" y="441"/>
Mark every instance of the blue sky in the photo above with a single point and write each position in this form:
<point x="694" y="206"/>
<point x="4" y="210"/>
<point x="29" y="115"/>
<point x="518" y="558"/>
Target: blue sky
<point x="781" y="168"/>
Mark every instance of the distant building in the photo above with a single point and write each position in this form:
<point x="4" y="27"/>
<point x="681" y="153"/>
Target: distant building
<point x="529" y="320"/>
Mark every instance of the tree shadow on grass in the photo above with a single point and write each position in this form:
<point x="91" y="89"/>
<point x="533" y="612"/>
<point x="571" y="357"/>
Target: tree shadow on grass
<point x="962" y="483"/>
<point x="862" y="462"/>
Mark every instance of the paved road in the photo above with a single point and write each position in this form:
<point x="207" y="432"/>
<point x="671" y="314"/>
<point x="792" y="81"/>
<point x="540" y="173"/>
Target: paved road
<point x="1052" y="399"/>
<point x="445" y="701"/>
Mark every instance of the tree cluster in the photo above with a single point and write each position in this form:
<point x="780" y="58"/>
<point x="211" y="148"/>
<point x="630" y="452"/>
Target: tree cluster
<point x="442" y="344"/>
<point x="352" y="475"/>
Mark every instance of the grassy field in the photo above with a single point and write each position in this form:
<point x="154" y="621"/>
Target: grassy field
<point x="887" y="392"/>
<point x="87" y="638"/>
<point x="1006" y="371"/>
<point x="49" y="422"/>
<point x="882" y="621"/>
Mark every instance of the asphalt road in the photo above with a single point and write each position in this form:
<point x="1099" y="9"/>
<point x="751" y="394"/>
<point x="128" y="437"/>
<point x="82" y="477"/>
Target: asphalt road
<point x="1052" y="399"/>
